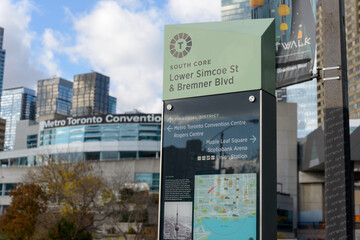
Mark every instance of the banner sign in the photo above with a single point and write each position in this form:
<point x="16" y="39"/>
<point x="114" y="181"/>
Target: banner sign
<point x="102" y="119"/>
<point x="295" y="23"/>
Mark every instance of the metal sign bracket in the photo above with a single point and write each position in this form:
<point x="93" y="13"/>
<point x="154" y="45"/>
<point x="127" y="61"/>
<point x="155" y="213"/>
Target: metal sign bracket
<point x="320" y="72"/>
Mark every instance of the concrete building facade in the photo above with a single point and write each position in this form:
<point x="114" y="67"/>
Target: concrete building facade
<point x="312" y="182"/>
<point x="287" y="167"/>
<point x="122" y="145"/>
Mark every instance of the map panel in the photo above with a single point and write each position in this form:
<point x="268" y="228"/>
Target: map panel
<point x="211" y="138"/>
<point x="225" y="207"/>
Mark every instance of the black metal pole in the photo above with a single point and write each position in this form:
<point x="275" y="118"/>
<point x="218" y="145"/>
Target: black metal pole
<point x="339" y="183"/>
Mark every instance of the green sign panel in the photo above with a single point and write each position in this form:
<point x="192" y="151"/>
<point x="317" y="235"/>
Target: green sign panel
<point x="203" y="59"/>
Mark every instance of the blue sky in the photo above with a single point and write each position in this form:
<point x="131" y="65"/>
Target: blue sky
<point x="122" y="39"/>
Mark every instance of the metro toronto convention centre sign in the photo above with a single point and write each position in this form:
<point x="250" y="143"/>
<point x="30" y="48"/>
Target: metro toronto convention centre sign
<point x="103" y="119"/>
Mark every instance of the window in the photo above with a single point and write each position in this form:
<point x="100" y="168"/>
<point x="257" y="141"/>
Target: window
<point x="127" y="154"/>
<point x="285" y="220"/>
<point x="147" y="154"/>
<point x="31" y="141"/>
<point x="3" y="208"/>
<point x="151" y="179"/>
<point x="8" y="188"/>
<point x="109" y="155"/>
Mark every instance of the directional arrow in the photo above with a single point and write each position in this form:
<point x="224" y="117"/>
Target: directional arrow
<point x="253" y="139"/>
<point x="169" y="128"/>
<point x="170" y="119"/>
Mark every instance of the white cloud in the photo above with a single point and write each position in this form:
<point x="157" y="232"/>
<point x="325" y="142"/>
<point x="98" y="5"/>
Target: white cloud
<point x="120" y="38"/>
<point x="20" y="70"/>
<point x="187" y="11"/>
<point x="127" y="46"/>
<point x="124" y="39"/>
<point x="50" y="45"/>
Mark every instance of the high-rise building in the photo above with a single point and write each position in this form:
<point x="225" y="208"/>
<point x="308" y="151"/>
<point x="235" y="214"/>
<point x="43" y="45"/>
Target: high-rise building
<point x="304" y="94"/>
<point x="112" y="105"/>
<point x="352" y="29"/>
<point x="2" y="133"/>
<point x="16" y="104"/>
<point x="235" y="10"/>
<point x="53" y="98"/>
<point x="320" y="61"/>
<point x="90" y="94"/>
<point x="2" y="60"/>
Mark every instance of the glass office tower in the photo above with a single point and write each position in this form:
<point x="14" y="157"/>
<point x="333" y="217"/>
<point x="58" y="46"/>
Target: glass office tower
<point x="112" y="105"/>
<point x="235" y="10"/>
<point x="90" y="94"/>
<point x="2" y="60"/>
<point x="53" y="98"/>
<point x="16" y="104"/>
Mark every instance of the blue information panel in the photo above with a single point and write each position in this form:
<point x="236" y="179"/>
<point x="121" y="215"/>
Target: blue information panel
<point x="210" y="167"/>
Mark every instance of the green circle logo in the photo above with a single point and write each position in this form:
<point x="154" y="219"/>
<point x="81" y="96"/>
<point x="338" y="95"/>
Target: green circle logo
<point x="180" y="45"/>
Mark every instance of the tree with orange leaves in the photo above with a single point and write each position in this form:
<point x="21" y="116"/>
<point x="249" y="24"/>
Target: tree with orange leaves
<point x="28" y="202"/>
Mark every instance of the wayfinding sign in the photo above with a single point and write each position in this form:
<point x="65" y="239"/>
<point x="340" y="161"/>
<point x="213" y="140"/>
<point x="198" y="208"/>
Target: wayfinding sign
<point x="211" y="170"/>
<point x="221" y="57"/>
<point x="218" y="132"/>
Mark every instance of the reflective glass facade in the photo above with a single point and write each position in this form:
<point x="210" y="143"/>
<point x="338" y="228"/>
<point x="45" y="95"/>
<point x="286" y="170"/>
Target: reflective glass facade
<point x="102" y="142"/>
<point x="101" y="133"/>
<point x="35" y="160"/>
<point x="112" y="105"/>
<point x="235" y="10"/>
<point x="2" y="60"/>
<point x="151" y="179"/>
<point x="305" y="95"/>
<point x="90" y="94"/>
<point x="16" y="104"/>
<point x="31" y="141"/>
<point x="54" y="97"/>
